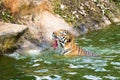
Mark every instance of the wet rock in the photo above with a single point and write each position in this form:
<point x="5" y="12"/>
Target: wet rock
<point x="106" y="20"/>
<point x="10" y="36"/>
<point x="81" y="28"/>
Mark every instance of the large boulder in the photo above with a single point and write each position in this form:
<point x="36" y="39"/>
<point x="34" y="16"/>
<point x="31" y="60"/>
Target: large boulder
<point x="10" y="36"/>
<point x="41" y="21"/>
<point x="40" y="18"/>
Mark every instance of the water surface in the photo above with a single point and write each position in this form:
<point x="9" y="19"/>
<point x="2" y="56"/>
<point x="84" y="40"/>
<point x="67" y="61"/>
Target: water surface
<point x="51" y="66"/>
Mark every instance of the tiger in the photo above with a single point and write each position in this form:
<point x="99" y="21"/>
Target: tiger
<point x="68" y="45"/>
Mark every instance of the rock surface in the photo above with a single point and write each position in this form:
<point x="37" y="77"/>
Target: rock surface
<point x="10" y="36"/>
<point x="41" y="21"/>
<point x="39" y="17"/>
<point x="88" y="15"/>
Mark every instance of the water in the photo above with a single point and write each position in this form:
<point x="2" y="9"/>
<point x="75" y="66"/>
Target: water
<point x="51" y="66"/>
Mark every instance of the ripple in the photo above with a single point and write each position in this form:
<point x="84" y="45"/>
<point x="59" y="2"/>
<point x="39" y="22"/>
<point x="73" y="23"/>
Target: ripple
<point x="100" y="61"/>
<point x="117" y="67"/>
<point x="100" y="70"/>
<point x="111" y="77"/>
<point x="37" y="60"/>
<point x="91" y="67"/>
<point x="115" y="63"/>
<point x="75" y="66"/>
<point x="42" y="70"/>
<point x="47" y="62"/>
<point x="43" y="77"/>
<point x="102" y="40"/>
<point x="91" y="77"/>
<point x="54" y="77"/>
<point x="100" y="64"/>
<point x="35" y="65"/>
<point x="118" y="34"/>
<point x="88" y="39"/>
<point x="87" y="60"/>
<point x="72" y="73"/>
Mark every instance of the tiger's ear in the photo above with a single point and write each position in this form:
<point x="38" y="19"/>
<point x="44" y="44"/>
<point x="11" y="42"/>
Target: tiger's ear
<point x="66" y="31"/>
<point x="69" y="40"/>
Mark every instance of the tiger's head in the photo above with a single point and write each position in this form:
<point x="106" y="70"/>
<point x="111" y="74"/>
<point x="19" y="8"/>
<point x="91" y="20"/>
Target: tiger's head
<point x="63" y="37"/>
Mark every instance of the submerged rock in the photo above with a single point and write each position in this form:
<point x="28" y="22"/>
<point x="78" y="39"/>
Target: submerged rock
<point x="10" y="36"/>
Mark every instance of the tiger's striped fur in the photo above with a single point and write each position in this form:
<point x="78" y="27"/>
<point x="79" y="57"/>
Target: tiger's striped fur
<point x="67" y="42"/>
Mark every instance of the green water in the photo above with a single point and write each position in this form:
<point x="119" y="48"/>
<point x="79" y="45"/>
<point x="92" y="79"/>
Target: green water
<point x="50" y="66"/>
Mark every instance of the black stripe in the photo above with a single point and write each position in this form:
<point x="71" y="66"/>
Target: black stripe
<point x="81" y="51"/>
<point x="90" y="53"/>
<point x="78" y="51"/>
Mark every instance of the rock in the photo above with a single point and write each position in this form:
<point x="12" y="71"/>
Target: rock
<point x="41" y="21"/>
<point x="94" y="14"/>
<point x="39" y="17"/>
<point x="10" y="36"/>
<point x="106" y="20"/>
<point x="50" y="22"/>
<point x="104" y="12"/>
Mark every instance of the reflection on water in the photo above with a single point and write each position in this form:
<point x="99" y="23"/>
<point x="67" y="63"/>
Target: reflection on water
<point x="51" y="66"/>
